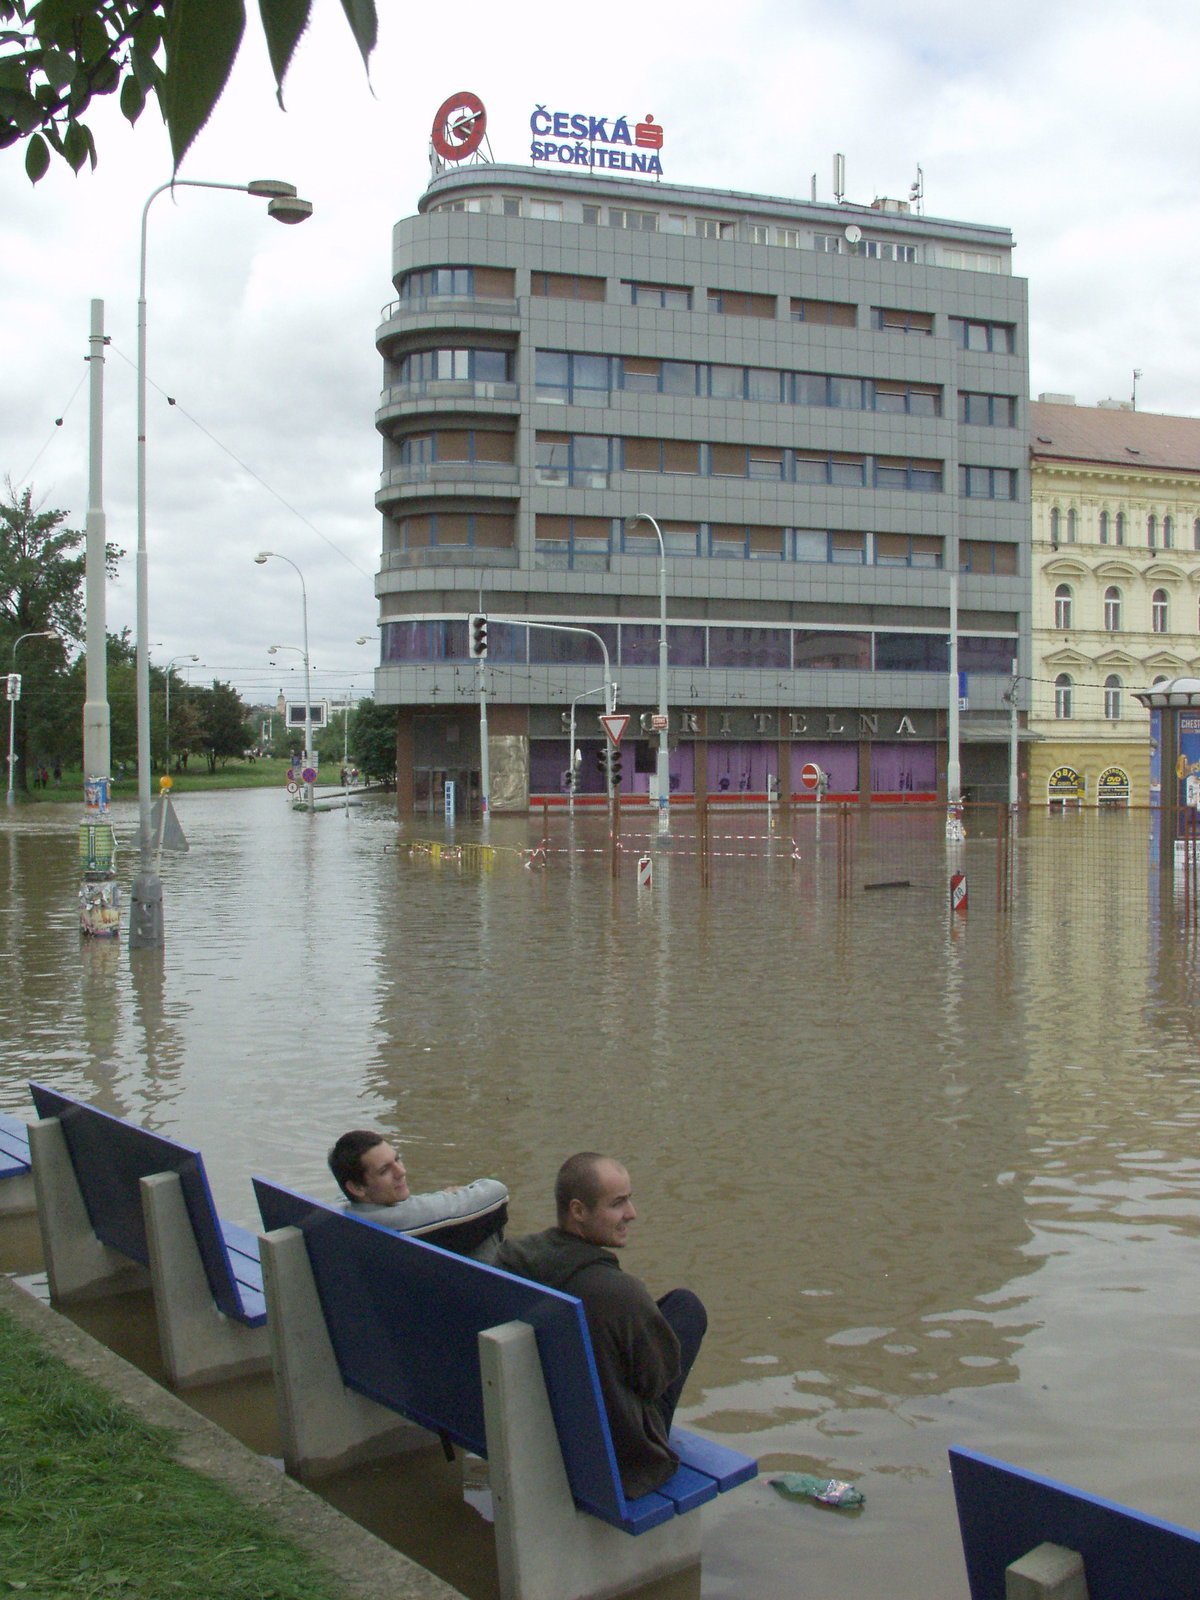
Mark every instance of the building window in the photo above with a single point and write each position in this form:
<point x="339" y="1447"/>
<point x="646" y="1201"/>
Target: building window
<point x="1159" y="611"/>
<point x="791" y="237"/>
<point x="758" y="233"/>
<point x="886" y="250"/>
<point x="564" y="377"/>
<point x="482" y="283"/>
<point x="1072" y="525"/>
<point x="591" y="215"/>
<point x="565" y="286"/>
<point x="544" y="210"/>
<point x="1152" y="531"/>
<point x="1168" y="533"/>
<point x="649" y="375"/>
<point x="987" y="483"/>
<point x="579" y="459"/>
<point x="1055" y="520"/>
<point x="1104" y="528"/>
<point x="829" y="244"/>
<point x="1112" y="609"/>
<point x="826" y="313"/>
<point x="886" y="320"/>
<point x="511" y="205"/>
<point x="572" y="541"/>
<point x="987" y="410"/>
<point x="907" y="550"/>
<point x="660" y="296"/>
<point x="985" y="555"/>
<point x="894" y="472"/>
<point x="1196" y="534"/>
<point x="817" y="467"/>
<point x="1112" y="698"/>
<point x="470" y="365"/>
<point x="989" y="338"/>
<point x="636" y="221"/>
<point x="1063" y="698"/>
<point x="457" y="529"/>
<point x="1064" y="606"/>
<point x="737" y="303"/>
<point x="1120" y="527"/>
<point x="915" y="399"/>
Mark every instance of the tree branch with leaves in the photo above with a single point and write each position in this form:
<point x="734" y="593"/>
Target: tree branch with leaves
<point x="58" y="56"/>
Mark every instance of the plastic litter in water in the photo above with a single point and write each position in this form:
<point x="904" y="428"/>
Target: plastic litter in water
<point x="808" y="1486"/>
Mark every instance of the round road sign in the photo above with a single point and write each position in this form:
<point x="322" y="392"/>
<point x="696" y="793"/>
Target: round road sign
<point x="309" y="774"/>
<point x="810" y="774"/>
<point x="293" y="788"/>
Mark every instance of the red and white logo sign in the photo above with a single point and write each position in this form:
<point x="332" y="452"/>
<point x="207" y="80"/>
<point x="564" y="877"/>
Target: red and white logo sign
<point x="459" y="126"/>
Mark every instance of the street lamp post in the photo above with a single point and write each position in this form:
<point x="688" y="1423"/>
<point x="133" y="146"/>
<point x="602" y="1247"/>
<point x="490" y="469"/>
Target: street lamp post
<point x="44" y="633"/>
<point x="145" y="895"/>
<point x="663" y="770"/>
<point x="167" y="724"/>
<point x="261" y="558"/>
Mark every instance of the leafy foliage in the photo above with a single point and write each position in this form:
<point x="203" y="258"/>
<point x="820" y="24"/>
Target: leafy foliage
<point x="57" y="56"/>
<point x="222" y="723"/>
<point x="373" y="741"/>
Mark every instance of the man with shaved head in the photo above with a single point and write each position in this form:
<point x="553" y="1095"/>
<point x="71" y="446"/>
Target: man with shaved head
<point x="644" y="1348"/>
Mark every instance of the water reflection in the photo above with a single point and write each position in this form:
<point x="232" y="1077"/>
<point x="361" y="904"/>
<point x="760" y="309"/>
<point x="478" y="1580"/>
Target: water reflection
<point x="935" y="1180"/>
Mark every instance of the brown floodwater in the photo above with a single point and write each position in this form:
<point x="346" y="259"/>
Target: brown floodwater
<point x="937" y="1180"/>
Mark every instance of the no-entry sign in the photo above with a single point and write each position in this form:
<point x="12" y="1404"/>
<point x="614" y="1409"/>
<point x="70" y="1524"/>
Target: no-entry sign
<point x="810" y="774"/>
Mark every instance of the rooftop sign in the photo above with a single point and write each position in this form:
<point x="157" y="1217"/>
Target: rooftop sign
<point x="576" y="139"/>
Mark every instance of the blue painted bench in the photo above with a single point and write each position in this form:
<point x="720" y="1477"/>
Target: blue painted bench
<point x="367" y="1324"/>
<point x="16" y="1180"/>
<point x="118" y="1205"/>
<point x="1004" y="1513"/>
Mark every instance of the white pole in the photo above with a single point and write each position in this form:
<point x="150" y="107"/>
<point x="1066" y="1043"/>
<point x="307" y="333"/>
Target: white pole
<point x="1013" y="776"/>
<point x="485" y="766"/>
<point x="96" y="721"/>
<point x="662" y="776"/>
<point x="260" y="559"/>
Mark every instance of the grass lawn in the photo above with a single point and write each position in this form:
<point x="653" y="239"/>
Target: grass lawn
<point x="93" y="1507"/>
<point x="262" y="774"/>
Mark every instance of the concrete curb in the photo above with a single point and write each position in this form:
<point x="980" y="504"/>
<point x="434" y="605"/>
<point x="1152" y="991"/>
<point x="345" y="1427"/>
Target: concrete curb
<point x="368" y="1568"/>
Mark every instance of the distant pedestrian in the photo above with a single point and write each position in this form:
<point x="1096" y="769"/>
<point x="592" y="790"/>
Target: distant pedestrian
<point x="58" y="774"/>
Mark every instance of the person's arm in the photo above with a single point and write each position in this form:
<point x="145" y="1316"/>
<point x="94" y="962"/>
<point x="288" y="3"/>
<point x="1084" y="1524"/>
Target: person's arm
<point x="421" y="1211"/>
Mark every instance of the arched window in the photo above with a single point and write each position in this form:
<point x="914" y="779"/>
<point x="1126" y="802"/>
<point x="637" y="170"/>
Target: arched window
<point x="1063" y="686"/>
<point x="1104" y="529"/>
<point x="1168" y="533"/>
<point x="1196" y="534"/>
<point x="1120" y="527"/>
<point x="1055" y="521"/>
<point x="1064" y="605"/>
<point x="1071" y="527"/>
<point x="1159" y="611"/>
<point x="1112" y="697"/>
<point x="1112" y="609"/>
<point x="1152" y="531"/>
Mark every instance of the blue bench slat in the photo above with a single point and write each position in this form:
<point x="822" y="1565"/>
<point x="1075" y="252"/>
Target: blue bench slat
<point x="726" y="1467"/>
<point x="14" y="1146"/>
<point x="110" y="1157"/>
<point x="686" y="1488"/>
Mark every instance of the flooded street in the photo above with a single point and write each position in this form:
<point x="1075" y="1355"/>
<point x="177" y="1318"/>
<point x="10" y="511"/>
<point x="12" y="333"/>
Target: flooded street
<point x="936" y="1184"/>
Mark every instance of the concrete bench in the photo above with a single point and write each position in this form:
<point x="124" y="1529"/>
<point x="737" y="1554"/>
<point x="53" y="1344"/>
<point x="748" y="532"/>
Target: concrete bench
<point x="119" y="1207"/>
<point x="367" y="1325"/>
<point x="1019" y="1529"/>
<point x="16" y="1179"/>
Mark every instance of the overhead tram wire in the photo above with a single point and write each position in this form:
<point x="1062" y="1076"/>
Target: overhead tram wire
<point x="249" y="470"/>
<point x="58" y="422"/>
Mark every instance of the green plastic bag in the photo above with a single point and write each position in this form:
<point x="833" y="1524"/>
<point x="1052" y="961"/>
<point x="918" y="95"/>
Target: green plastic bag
<point x="807" y="1486"/>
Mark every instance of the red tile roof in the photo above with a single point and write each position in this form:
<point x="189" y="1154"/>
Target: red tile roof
<point x="1114" y="438"/>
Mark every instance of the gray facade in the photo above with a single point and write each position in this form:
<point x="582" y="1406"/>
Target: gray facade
<point x="822" y="425"/>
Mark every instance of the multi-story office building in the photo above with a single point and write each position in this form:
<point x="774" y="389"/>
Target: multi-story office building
<point x="1116" y="580"/>
<point x="823" y="407"/>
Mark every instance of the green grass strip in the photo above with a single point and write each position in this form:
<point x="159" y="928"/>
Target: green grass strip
<point x="93" y="1507"/>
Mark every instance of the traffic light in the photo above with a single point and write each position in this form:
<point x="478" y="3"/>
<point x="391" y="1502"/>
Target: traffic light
<point x="614" y="766"/>
<point x="13" y="686"/>
<point x="477" y="627"/>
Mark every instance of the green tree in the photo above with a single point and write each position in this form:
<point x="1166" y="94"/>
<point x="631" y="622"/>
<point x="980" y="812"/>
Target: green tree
<point x="373" y="741"/>
<point x="41" y="587"/>
<point x="56" y="56"/>
<point x="222" y="718"/>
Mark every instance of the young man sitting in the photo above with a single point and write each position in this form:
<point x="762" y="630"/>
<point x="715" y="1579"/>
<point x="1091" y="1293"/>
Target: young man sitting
<point x="467" y="1218"/>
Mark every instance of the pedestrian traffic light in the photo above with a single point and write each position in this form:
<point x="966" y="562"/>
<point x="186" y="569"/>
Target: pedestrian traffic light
<point x="477" y="627"/>
<point x="614" y="765"/>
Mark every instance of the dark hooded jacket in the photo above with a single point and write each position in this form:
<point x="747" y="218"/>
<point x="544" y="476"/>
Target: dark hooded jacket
<point x="637" y="1353"/>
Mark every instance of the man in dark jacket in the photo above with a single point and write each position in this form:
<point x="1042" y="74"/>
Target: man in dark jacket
<point x="644" y="1349"/>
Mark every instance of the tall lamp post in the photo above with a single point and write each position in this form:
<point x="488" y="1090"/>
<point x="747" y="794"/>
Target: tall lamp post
<point x="167" y="723"/>
<point x="13" y="696"/>
<point x="262" y="558"/>
<point x="145" y="895"/>
<point x="663" y="770"/>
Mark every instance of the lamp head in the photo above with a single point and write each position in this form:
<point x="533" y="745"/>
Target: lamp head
<point x="262" y="555"/>
<point x="271" y="188"/>
<point x="272" y="649"/>
<point x="290" y="209"/>
<point x="362" y="638"/>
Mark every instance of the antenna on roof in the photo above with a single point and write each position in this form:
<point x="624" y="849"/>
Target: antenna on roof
<point x="839" y="177"/>
<point x="916" y="193"/>
<point x="1137" y="372"/>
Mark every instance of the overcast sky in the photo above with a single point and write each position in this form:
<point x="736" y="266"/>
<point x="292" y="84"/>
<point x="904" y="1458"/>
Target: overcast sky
<point x="1075" y="124"/>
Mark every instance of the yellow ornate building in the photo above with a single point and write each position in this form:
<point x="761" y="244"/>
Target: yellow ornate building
<point x="1116" y="591"/>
